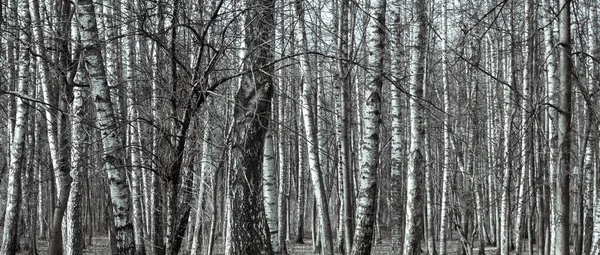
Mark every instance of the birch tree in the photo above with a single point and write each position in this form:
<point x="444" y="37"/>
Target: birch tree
<point x="93" y="63"/>
<point x="397" y="143"/>
<point x="133" y="131"/>
<point x="592" y="246"/>
<point x="416" y="164"/>
<point x="57" y="121"/>
<point x="343" y="129"/>
<point x="75" y="237"/>
<point x="246" y="230"/>
<point x="562" y="214"/>
<point x="447" y="146"/>
<point x="370" y="151"/>
<point x="269" y="185"/>
<point x="526" y="150"/>
<point x="310" y="128"/>
<point x="507" y="97"/>
<point x="282" y="193"/>
<point x="551" y="83"/>
<point x="17" y="145"/>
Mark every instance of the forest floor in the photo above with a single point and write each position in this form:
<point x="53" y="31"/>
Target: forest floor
<point x="100" y="246"/>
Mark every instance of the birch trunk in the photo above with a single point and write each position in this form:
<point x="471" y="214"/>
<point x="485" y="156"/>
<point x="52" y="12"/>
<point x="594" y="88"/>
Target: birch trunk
<point x="75" y="237"/>
<point x="526" y="149"/>
<point x="157" y="229"/>
<point x="42" y="75"/>
<point x="446" y="177"/>
<point x="308" y="116"/>
<point x="343" y="120"/>
<point x="592" y="223"/>
<point x="301" y="196"/>
<point x="205" y="169"/>
<point x="129" y="60"/>
<point x="269" y="185"/>
<point x="416" y="164"/>
<point x="551" y="83"/>
<point x="370" y="151"/>
<point x="246" y="230"/>
<point x="60" y="148"/>
<point x="17" y="146"/>
<point x="398" y="132"/>
<point x="564" y="129"/>
<point x="505" y="217"/>
<point x="282" y="197"/>
<point x="106" y="121"/>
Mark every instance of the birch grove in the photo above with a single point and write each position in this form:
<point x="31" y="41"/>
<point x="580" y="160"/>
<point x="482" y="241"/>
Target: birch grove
<point x="296" y="127"/>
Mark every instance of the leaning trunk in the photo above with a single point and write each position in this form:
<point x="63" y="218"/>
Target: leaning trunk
<point x="310" y="127"/>
<point x="106" y="122"/>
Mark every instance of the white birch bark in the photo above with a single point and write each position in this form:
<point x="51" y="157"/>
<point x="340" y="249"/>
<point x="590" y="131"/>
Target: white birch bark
<point x="282" y="196"/>
<point x="205" y="170"/>
<point x="74" y="242"/>
<point x="564" y="129"/>
<point x="269" y="185"/>
<point x="416" y="163"/>
<point x="17" y="146"/>
<point x="43" y="72"/>
<point x="446" y="178"/>
<point x="505" y="218"/>
<point x="343" y="139"/>
<point x="551" y="83"/>
<point x="308" y="116"/>
<point x="93" y="62"/>
<point x="526" y="156"/>
<point x="370" y="151"/>
<point x="301" y="182"/>
<point x="592" y="246"/>
<point x="128" y="62"/>
<point x="398" y="131"/>
<point x="111" y="32"/>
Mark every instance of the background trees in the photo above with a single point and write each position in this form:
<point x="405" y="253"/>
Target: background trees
<point x="150" y="127"/>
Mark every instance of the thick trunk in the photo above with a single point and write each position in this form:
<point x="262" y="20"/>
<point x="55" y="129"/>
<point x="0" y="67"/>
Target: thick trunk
<point x="416" y="163"/>
<point x="370" y="151"/>
<point x="246" y="230"/>
<point x="106" y="121"/>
